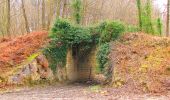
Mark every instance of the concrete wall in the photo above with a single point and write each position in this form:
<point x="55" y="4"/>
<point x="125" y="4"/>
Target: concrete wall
<point x="70" y="66"/>
<point x="85" y="68"/>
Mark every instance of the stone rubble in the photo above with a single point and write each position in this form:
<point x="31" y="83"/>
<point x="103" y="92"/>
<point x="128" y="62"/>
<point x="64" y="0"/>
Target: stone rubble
<point x="35" y="70"/>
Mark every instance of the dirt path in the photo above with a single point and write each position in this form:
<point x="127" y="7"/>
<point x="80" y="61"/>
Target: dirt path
<point x="76" y="92"/>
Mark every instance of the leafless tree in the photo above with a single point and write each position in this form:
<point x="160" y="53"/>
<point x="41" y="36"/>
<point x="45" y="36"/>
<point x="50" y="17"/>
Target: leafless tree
<point x="43" y="14"/>
<point x="168" y="19"/>
<point x="8" y="17"/>
<point x="25" y="17"/>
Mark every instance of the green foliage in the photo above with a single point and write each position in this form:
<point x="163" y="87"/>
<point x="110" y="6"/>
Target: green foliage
<point x="77" y="8"/>
<point x="110" y="31"/>
<point x="59" y="29"/>
<point x="159" y="26"/>
<point x="68" y="34"/>
<point x="57" y="49"/>
<point x="147" y="18"/>
<point x="95" y="88"/>
<point x="65" y="35"/>
<point x="146" y="22"/>
<point x="130" y="28"/>
<point x="139" y="6"/>
<point x="77" y="35"/>
<point x="56" y="55"/>
<point x="102" y="56"/>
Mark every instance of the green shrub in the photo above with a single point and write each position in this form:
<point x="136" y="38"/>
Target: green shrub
<point x="55" y="55"/>
<point x="69" y="34"/>
<point x="59" y="29"/>
<point x="111" y="31"/>
<point x="159" y="26"/>
<point x="64" y="35"/>
<point x="102" y="56"/>
<point x="77" y="10"/>
<point x="130" y="28"/>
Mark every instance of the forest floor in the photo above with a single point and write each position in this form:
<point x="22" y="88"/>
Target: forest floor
<point x="79" y="91"/>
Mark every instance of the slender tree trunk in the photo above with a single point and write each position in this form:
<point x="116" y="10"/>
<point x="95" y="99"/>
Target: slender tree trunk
<point x="168" y="19"/>
<point x="43" y="14"/>
<point x="8" y="18"/>
<point x="101" y="8"/>
<point x="50" y="15"/>
<point x="149" y="15"/>
<point x="38" y="15"/>
<point x="25" y="17"/>
<point x="3" y="29"/>
<point x="139" y="13"/>
<point x="49" y="21"/>
<point x="67" y="9"/>
<point x="84" y="12"/>
<point x="64" y="9"/>
<point x="58" y="8"/>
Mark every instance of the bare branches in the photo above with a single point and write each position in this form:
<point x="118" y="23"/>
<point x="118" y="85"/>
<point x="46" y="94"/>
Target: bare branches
<point x="168" y="19"/>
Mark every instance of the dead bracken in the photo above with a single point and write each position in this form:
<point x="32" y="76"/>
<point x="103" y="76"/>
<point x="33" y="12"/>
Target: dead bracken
<point x="15" y="51"/>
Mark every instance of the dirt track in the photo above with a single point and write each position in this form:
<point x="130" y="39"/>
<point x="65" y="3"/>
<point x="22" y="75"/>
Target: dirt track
<point x="76" y="92"/>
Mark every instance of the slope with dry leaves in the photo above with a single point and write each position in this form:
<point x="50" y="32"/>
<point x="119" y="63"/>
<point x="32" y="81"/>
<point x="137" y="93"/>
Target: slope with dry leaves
<point x="142" y="62"/>
<point x="15" y="51"/>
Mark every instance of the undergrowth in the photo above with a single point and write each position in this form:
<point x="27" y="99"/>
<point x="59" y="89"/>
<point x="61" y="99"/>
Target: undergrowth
<point x="65" y="35"/>
<point x="110" y="31"/>
<point x="102" y="56"/>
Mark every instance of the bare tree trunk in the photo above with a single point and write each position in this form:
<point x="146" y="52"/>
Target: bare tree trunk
<point x="67" y="9"/>
<point x="149" y="15"/>
<point x="139" y="13"/>
<point x="49" y="20"/>
<point x="58" y="8"/>
<point x="64" y="8"/>
<point x="101" y="8"/>
<point x="38" y="15"/>
<point x="50" y="15"/>
<point x="25" y="17"/>
<point x="84" y="12"/>
<point x="43" y="14"/>
<point x="3" y="20"/>
<point x="8" y="18"/>
<point x="168" y="19"/>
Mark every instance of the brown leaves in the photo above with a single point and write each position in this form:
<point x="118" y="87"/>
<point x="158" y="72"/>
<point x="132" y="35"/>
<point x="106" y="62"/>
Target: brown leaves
<point x="143" y="59"/>
<point x="18" y="49"/>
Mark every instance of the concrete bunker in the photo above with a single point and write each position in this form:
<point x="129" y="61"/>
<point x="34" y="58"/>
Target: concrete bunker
<point x="81" y="68"/>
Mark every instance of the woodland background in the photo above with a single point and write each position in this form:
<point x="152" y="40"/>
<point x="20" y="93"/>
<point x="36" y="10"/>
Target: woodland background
<point x="18" y="17"/>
